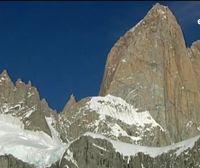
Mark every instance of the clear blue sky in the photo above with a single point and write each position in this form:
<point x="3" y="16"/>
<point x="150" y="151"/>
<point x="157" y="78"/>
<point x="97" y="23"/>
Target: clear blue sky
<point x="62" y="46"/>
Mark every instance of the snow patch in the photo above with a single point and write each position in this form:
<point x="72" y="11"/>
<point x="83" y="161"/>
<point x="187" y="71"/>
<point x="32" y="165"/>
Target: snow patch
<point x="30" y="94"/>
<point x="117" y="131"/>
<point x="3" y="78"/>
<point x="189" y="124"/>
<point x="123" y="60"/>
<point x="29" y="112"/>
<point x="99" y="147"/>
<point x="69" y="157"/>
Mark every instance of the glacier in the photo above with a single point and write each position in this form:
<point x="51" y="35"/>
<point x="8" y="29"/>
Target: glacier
<point x="33" y="147"/>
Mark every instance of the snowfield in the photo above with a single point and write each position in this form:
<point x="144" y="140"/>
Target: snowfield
<point x="35" y="148"/>
<point x="131" y="150"/>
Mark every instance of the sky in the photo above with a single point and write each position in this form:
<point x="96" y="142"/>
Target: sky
<point x="62" y="47"/>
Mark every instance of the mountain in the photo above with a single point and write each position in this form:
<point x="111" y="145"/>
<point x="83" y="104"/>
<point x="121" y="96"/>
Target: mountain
<point x="146" y="114"/>
<point x="151" y="68"/>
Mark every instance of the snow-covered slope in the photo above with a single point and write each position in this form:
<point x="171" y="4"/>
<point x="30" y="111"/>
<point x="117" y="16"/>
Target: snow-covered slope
<point x="36" y="148"/>
<point x="112" y="117"/>
<point x="120" y="120"/>
<point x="119" y="109"/>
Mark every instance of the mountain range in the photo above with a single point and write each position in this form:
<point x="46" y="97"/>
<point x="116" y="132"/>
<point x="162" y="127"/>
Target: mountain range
<point x="146" y="115"/>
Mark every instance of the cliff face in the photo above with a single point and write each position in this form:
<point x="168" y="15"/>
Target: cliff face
<point x="151" y="68"/>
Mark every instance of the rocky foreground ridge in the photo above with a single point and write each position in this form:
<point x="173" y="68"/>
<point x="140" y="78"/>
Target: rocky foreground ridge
<point x="147" y="114"/>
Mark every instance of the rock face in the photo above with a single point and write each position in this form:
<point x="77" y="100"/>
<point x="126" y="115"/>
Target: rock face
<point x="148" y="106"/>
<point x="151" y="68"/>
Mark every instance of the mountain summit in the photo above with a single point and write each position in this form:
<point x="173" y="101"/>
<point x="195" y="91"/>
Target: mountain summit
<point x="151" y="68"/>
<point x="146" y="116"/>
